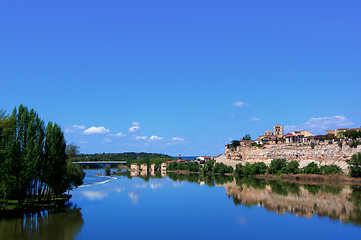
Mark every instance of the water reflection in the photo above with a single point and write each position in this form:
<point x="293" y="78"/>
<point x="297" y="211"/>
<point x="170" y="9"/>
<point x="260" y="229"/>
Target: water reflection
<point x="336" y="202"/>
<point x="52" y="224"/>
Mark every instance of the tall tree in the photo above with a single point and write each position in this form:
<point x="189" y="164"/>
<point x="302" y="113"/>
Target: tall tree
<point x="55" y="157"/>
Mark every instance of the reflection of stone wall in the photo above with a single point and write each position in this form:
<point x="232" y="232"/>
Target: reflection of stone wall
<point x="323" y="153"/>
<point x="303" y="204"/>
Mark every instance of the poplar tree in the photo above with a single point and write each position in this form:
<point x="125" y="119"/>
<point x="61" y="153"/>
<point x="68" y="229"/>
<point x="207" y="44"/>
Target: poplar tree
<point x="55" y="158"/>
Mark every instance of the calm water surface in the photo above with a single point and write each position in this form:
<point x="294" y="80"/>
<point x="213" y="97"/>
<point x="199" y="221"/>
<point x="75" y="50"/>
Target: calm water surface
<point x="190" y="207"/>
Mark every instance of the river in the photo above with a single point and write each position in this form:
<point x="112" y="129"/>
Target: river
<point x="193" y="207"/>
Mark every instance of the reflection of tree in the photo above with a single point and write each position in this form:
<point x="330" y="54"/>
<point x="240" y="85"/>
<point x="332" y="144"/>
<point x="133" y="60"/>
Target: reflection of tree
<point x="355" y="198"/>
<point x="52" y="224"/>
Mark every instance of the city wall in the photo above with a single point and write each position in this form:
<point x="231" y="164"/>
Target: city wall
<point x="322" y="153"/>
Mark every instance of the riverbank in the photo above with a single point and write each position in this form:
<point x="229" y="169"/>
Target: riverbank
<point x="312" y="179"/>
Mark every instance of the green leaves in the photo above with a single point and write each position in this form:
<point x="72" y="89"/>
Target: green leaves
<point x="355" y="165"/>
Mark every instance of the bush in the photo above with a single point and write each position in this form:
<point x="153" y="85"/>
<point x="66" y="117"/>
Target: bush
<point x="276" y="165"/>
<point x="355" y="165"/>
<point x="107" y="170"/>
<point x="222" y="168"/>
<point x="208" y="167"/>
<point x="330" y="169"/>
<point x="254" y="169"/>
<point x="311" y="168"/>
<point x="239" y="170"/>
<point x="292" y="167"/>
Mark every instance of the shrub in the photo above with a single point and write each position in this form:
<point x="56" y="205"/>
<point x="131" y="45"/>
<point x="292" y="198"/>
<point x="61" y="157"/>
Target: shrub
<point x="355" y="165"/>
<point x="208" y="167"/>
<point x="107" y="170"/>
<point x="330" y="169"/>
<point x="222" y="168"/>
<point x="254" y="169"/>
<point x="239" y="169"/>
<point x="311" y="168"/>
<point x="292" y="167"/>
<point x="276" y="165"/>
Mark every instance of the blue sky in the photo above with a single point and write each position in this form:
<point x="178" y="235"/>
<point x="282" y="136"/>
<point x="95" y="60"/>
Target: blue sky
<point x="181" y="77"/>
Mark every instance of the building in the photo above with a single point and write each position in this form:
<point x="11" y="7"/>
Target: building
<point x="204" y="159"/>
<point x="305" y="133"/>
<point x="278" y="131"/>
<point x="337" y="132"/>
<point x="144" y="167"/>
<point x="163" y="166"/>
<point x="134" y="167"/>
<point x="298" y="136"/>
<point x="153" y="167"/>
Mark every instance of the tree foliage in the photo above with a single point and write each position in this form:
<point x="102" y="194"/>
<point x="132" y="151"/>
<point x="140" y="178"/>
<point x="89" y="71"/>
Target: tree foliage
<point x="312" y="168"/>
<point x="254" y="169"/>
<point x="222" y="168"/>
<point x="355" y="165"/>
<point x="247" y="137"/>
<point x="33" y="161"/>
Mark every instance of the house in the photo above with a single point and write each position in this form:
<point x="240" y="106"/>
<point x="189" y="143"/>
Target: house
<point x="293" y="138"/>
<point x="134" y="167"/>
<point x="163" y="166"/>
<point x="337" y="132"/>
<point x="153" y="167"/>
<point x="143" y="167"/>
<point x="305" y="133"/>
<point x="204" y="159"/>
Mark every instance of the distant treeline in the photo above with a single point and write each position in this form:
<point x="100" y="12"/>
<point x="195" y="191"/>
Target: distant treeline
<point x="129" y="156"/>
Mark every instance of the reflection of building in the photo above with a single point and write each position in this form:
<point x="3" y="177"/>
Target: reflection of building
<point x="305" y="201"/>
<point x="163" y="173"/>
<point x="134" y="173"/>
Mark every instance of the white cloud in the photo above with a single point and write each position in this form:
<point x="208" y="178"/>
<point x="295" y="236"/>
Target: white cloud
<point x="320" y="124"/>
<point x="74" y="128"/>
<point x="141" y="137"/>
<point x="254" y="119"/>
<point x="135" y="127"/>
<point x="155" y="138"/>
<point x="106" y="140"/>
<point x="239" y="104"/>
<point x="96" y="130"/>
<point x="95" y="195"/>
<point x="134" y="197"/>
<point x="155" y="186"/>
<point x="119" y="134"/>
<point x="178" y="139"/>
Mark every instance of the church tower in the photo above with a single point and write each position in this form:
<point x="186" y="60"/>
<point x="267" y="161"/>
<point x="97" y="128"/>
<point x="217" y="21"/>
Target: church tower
<point x="278" y="131"/>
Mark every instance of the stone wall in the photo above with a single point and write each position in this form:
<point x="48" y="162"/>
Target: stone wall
<point x="321" y="153"/>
